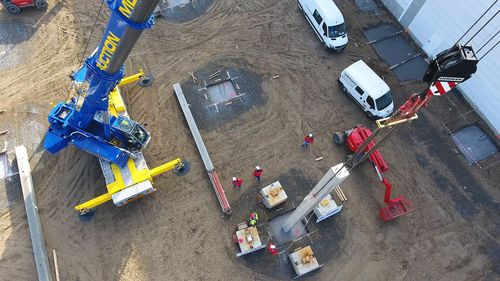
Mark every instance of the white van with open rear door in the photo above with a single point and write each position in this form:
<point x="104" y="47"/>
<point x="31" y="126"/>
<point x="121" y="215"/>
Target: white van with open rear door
<point x="327" y="22"/>
<point x="367" y="89"/>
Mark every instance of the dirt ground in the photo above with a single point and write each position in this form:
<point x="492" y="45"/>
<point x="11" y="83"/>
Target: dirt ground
<point x="179" y="232"/>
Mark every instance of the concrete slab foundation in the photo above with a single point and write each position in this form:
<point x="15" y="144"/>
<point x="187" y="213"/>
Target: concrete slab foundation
<point x="180" y="11"/>
<point x="366" y="5"/>
<point x="281" y="237"/>
<point x="405" y="62"/>
<point x="474" y="144"/>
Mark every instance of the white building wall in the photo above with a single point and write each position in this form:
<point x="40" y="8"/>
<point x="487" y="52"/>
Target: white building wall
<point x="438" y="25"/>
<point x="397" y="7"/>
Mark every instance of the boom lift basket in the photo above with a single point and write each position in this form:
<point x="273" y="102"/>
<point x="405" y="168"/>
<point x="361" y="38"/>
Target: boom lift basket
<point x="398" y="207"/>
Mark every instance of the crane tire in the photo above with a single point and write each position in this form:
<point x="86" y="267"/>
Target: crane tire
<point x="13" y="9"/>
<point x="338" y="138"/>
<point x="146" y="81"/>
<point x="41" y="4"/>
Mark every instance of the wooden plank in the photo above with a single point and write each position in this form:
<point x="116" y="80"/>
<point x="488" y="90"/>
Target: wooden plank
<point x="56" y="266"/>
<point x="213" y="75"/>
<point x="34" y="223"/>
<point x="338" y="194"/>
<point x="342" y="192"/>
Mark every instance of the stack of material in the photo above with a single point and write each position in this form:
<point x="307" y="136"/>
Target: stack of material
<point x="304" y="261"/>
<point x="326" y="208"/>
<point x="248" y="240"/>
<point x="273" y="195"/>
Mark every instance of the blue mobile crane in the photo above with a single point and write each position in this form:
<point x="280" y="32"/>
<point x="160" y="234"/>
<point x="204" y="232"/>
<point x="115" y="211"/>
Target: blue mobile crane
<point x="96" y="120"/>
<point x="84" y="121"/>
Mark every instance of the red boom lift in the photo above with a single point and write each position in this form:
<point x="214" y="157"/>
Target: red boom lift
<point x="355" y="138"/>
<point x="15" y="6"/>
<point x="444" y="73"/>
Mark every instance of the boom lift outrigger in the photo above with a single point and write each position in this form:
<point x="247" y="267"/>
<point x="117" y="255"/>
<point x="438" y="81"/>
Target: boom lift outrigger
<point x="97" y="122"/>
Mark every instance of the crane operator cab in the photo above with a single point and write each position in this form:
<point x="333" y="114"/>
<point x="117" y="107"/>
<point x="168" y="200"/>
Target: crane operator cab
<point x="367" y="89"/>
<point x="130" y="133"/>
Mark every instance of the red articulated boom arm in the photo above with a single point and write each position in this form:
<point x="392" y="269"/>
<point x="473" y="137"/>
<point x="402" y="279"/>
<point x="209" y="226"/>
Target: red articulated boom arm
<point x="444" y="73"/>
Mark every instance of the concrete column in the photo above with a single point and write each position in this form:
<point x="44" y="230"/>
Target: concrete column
<point x="35" y="226"/>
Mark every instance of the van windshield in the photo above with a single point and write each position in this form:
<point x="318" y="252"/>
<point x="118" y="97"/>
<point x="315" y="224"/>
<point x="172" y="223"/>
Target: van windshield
<point x="384" y="101"/>
<point x="336" y="30"/>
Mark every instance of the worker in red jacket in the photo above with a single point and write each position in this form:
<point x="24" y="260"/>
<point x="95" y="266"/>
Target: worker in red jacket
<point x="309" y="139"/>
<point x="257" y="173"/>
<point x="272" y="249"/>
<point x="237" y="182"/>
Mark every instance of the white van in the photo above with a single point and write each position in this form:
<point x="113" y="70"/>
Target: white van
<point x="368" y="90"/>
<point x="327" y="22"/>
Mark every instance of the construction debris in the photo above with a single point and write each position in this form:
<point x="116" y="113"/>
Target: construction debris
<point x="276" y="76"/>
<point x="3" y="132"/>
<point x="195" y="80"/>
<point x="318" y="159"/>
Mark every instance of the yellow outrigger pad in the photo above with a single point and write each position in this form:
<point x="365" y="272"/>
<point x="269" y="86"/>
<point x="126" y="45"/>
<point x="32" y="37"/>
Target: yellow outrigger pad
<point x="136" y="179"/>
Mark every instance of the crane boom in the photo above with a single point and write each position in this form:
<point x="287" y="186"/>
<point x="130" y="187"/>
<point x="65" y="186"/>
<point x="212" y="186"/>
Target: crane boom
<point x="84" y="121"/>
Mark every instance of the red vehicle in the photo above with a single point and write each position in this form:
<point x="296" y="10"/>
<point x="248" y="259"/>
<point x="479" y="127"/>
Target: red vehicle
<point x="15" y="6"/>
<point x="355" y="138"/>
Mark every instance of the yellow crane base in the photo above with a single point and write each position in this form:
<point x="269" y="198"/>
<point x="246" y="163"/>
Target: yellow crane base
<point x="136" y="179"/>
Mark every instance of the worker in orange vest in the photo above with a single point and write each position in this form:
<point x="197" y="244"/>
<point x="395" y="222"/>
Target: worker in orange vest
<point x="257" y="173"/>
<point x="254" y="218"/>
<point x="237" y="182"/>
<point x="309" y="139"/>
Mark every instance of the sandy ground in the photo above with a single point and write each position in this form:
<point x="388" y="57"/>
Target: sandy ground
<point x="179" y="233"/>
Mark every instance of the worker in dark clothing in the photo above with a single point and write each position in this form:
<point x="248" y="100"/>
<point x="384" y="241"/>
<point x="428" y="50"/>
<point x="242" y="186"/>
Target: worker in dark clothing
<point x="257" y="173"/>
<point x="237" y="182"/>
<point x="309" y="139"/>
